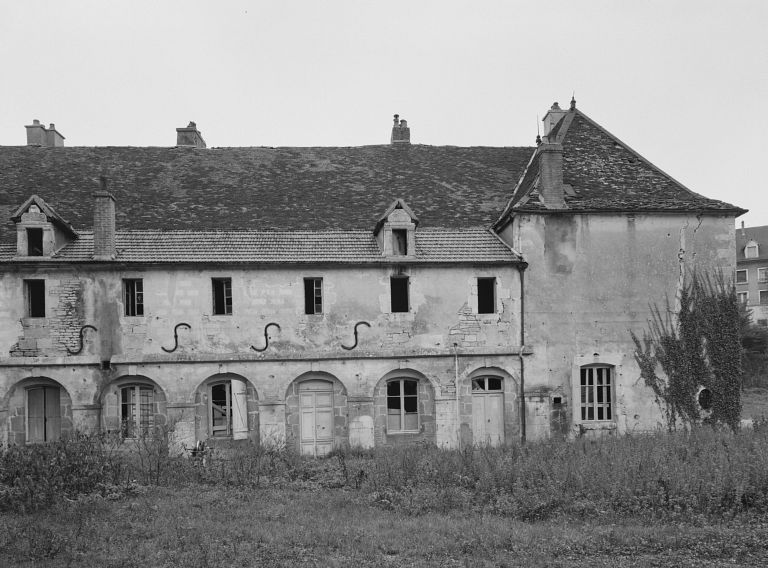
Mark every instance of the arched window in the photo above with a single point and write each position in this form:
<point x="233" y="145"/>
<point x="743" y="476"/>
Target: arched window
<point x="402" y="405"/>
<point x="137" y="410"/>
<point x="596" y="386"/>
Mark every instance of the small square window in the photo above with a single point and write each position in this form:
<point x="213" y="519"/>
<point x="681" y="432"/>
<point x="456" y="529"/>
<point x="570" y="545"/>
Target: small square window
<point x="34" y="242"/>
<point x="741" y="277"/>
<point x="486" y="295"/>
<point x="35" y="292"/>
<point x="399" y="242"/>
<point x="222" y="296"/>
<point x="133" y="295"/>
<point x="313" y="295"/>
<point x="763" y="322"/>
<point x="399" y="293"/>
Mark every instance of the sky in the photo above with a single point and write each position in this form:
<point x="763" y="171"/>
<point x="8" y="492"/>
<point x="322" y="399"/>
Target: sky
<point x="682" y="82"/>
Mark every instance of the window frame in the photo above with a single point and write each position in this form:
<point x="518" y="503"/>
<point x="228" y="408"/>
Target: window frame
<point x="493" y="295"/>
<point x="746" y="276"/>
<point x="32" y="296"/>
<point x="227" y="309"/>
<point x="139" y="427"/>
<point x="133" y="297"/>
<point x="313" y="297"/>
<point x="744" y="294"/>
<point x="762" y="275"/>
<point x="399" y="242"/>
<point x="406" y="289"/>
<point x="597" y="392"/>
<point x="401" y="398"/>
<point x="763" y="297"/>
<point x="751" y="246"/>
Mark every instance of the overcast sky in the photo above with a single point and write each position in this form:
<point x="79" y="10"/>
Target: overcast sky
<point x="685" y="83"/>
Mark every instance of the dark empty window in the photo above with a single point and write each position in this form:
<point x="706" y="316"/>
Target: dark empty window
<point x="34" y="242"/>
<point x="222" y="296"/>
<point x="35" y="290"/>
<point x="313" y="295"/>
<point x="399" y="242"/>
<point x="763" y="297"/>
<point x="133" y="294"/>
<point x="399" y="293"/>
<point x="741" y="276"/>
<point x="486" y="295"/>
<point x="403" y="405"/>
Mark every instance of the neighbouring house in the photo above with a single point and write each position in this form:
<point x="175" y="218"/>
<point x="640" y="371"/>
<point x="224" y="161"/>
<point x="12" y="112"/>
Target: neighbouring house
<point x="332" y="297"/>
<point x="752" y="270"/>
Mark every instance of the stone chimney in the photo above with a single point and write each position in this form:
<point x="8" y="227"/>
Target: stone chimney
<point x="190" y="136"/>
<point x="38" y="135"/>
<point x="401" y="134"/>
<point x="104" y="224"/>
<point x="551" y="187"/>
<point x="552" y="117"/>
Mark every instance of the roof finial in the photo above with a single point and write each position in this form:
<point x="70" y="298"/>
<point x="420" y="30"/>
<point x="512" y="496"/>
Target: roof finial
<point x="573" y="101"/>
<point x="538" y="133"/>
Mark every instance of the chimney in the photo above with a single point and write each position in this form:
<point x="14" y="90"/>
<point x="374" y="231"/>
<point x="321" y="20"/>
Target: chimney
<point x="104" y="224"/>
<point x="190" y="136"/>
<point x="552" y="117"/>
<point x="401" y="134"/>
<point x="551" y="188"/>
<point x="53" y="138"/>
<point x="38" y="135"/>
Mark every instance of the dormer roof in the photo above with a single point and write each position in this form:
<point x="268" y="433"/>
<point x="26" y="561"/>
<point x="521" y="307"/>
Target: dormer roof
<point x="47" y="210"/>
<point x="396" y="204"/>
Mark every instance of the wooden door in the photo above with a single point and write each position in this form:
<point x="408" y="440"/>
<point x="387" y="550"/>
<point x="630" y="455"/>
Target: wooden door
<point x="316" y="403"/>
<point x="43" y="414"/>
<point x="488" y="411"/>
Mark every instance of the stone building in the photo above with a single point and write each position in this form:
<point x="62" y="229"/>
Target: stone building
<point x="752" y="270"/>
<point x="331" y="297"/>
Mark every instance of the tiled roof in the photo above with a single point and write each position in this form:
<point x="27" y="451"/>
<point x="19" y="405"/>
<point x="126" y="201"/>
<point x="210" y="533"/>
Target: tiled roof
<point x="264" y="188"/>
<point x="278" y="247"/>
<point x="757" y="234"/>
<point x="606" y="175"/>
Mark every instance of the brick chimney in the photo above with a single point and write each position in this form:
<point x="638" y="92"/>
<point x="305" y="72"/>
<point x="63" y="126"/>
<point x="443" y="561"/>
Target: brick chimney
<point x="104" y="224"/>
<point x="551" y="187"/>
<point x="401" y="134"/>
<point x="39" y="135"/>
<point x="552" y="117"/>
<point x="190" y="136"/>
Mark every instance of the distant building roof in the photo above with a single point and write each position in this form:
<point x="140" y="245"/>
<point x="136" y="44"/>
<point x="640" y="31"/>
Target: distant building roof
<point x="748" y="234"/>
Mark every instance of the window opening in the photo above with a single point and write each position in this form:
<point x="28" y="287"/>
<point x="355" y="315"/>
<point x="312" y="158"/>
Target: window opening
<point x="762" y="275"/>
<point x="133" y="293"/>
<point x="313" y="295"/>
<point x="43" y="414"/>
<point x="400" y="242"/>
<point x="751" y="250"/>
<point x="137" y="413"/>
<point x="35" y="290"/>
<point x="486" y="384"/>
<point x="402" y="405"/>
<point x="486" y="295"/>
<point x="34" y="242"/>
<point x="763" y="297"/>
<point x="399" y="293"/>
<point x="741" y="277"/>
<point x="743" y="297"/>
<point x="763" y="322"/>
<point x="705" y="399"/>
<point x="596" y="393"/>
<point x="222" y="296"/>
<point x="220" y="409"/>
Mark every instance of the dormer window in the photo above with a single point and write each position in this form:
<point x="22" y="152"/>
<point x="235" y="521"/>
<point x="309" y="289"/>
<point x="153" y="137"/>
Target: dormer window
<point x="35" y="242"/>
<point x="751" y="250"/>
<point x="395" y="230"/>
<point x="400" y="242"/>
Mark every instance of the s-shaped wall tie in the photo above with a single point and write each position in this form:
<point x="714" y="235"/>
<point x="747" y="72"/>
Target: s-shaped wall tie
<point x="176" y="337"/>
<point x="366" y="324"/>
<point x="266" y="337"/>
<point x="82" y="329"/>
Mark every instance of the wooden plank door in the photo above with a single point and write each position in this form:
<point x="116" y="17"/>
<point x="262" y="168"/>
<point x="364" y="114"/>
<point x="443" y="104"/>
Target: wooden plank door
<point x="316" y="402"/>
<point x="487" y="411"/>
<point x="43" y="414"/>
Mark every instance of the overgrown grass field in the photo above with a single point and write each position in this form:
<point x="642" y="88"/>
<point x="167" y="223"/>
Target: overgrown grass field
<point x="698" y="498"/>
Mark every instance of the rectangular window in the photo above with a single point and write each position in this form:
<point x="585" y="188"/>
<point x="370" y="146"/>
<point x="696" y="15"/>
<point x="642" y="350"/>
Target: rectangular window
<point x="35" y="292"/>
<point x="596" y="393"/>
<point x="399" y="293"/>
<point x="133" y="296"/>
<point x="486" y="295"/>
<point x="222" y="296"/>
<point x="313" y="295"/>
<point x="762" y="275"/>
<point x="763" y="297"/>
<point x="741" y="277"/>
<point x="743" y="297"/>
<point x="399" y="242"/>
<point x="137" y="410"/>
<point x="763" y="322"/>
<point x="750" y="251"/>
<point x="403" y="405"/>
<point x="34" y="242"/>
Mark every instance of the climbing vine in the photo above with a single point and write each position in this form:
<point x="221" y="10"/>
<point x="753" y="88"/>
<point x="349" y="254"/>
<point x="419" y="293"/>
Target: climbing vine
<point x="698" y="347"/>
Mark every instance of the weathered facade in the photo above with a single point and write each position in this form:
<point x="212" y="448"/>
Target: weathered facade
<point x="332" y="297"/>
<point x="752" y="270"/>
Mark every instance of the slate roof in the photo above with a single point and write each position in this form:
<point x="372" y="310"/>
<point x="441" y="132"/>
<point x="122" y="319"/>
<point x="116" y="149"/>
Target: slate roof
<point x="607" y="175"/>
<point x="759" y="235"/>
<point x="263" y="188"/>
<point x="273" y="247"/>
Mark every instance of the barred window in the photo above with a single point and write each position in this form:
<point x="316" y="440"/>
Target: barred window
<point x="596" y="393"/>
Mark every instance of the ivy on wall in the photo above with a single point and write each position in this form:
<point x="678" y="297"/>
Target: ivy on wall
<point x="699" y="347"/>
